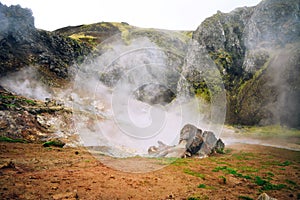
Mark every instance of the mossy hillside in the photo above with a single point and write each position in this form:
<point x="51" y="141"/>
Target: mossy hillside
<point x="259" y="100"/>
<point x="222" y="35"/>
<point x="95" y="34"/>
<point x="250" y="98"/>
<point x="173" y="43"/>
<point x="240" y="43"/>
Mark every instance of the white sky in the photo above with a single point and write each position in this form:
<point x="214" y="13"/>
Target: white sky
<point x="164" y="14"/>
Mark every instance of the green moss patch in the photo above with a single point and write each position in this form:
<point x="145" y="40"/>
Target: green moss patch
<point x="193" y="173"/>
<point x="7" y="139"/>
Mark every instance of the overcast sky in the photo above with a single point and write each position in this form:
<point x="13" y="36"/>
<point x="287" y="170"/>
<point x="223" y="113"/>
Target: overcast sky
<point x="164" y="14"/>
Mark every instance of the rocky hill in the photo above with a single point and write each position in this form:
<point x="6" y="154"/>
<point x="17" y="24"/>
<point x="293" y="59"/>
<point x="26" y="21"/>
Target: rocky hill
<point x="21" y="44"/>
<point x="256" y="50"/>
<point x="245" y="44"/>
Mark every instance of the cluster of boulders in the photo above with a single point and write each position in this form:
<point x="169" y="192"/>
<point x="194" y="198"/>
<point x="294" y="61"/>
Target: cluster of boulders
<point x="193" y="142"/>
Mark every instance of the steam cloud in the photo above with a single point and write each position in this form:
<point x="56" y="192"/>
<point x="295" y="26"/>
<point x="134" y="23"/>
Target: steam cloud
<point x="129" y="126"/>
<point x="107" y="112"/>
<point x="26" y="82"/>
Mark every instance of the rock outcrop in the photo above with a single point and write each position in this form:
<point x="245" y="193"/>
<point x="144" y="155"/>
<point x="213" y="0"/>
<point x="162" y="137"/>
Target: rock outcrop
<point x="193" y="142"/>
<point x="21" y="44"/>
<point x="257" y="51"/>
<point x="29" y="120"/>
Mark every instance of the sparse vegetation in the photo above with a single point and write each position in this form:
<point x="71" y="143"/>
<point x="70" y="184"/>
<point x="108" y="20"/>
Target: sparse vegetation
<point x="211" y="175"/>
<point x="269" y="131"/>
<point x="180" y="162"/>
<point x="12" y="101"/>
<point x="285" y="163"/>
<point x="248" y="169"/>
<point x="228" y="170"/>
<point x="291" y="182"/>
<point x="82" y="37"/>
<point x="277" y="163"/>
<point x="193" y="173"/>
<point x="54" y="143"/>
<point x="245" y="198"/>
<point x="266" y="185"/>
<point x="243" y="156"/>
<point x="202" y="186"/>
<point x="270" y="174"/>
<point x="7" y="139"/>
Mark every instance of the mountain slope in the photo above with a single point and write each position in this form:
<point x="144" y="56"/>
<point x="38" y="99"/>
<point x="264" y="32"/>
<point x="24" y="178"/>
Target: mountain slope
<point x="21" y="44"/>
<point x="256" y="50"/>
<point x="247" y="45"/>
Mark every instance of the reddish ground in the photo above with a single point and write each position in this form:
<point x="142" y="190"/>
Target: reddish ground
<point x="30" y="171"/>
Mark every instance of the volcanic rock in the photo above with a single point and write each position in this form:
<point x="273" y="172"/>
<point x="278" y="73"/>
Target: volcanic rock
<point x="192" y="143"/>
<point x="258" y="60"/>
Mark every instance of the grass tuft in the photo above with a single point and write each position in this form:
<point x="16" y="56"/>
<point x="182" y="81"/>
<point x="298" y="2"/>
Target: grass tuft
<point x="285" y="163"/>
<point x="245" y="198"/>
<point x="193" y="173"/>
<point x="7" y="139"/>
<point x="201" y="186"/>
<point x="232" y="171"/>
<point x="193" y="198"/>
<point x="266" y="185"/>
<point x="291" y="182"/>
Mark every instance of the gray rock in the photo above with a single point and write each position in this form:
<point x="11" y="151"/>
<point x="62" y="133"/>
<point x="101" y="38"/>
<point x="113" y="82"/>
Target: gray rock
<point x="219" y="147"/>
<point x="195" y="145"/>
<point x="164" y="150"/>
<point x="154" y="94"/>
<point x="264" y="196"/>
<point x="187" y="133"/>
<point x="209" y="138"/>
<point x="265" y="27"/>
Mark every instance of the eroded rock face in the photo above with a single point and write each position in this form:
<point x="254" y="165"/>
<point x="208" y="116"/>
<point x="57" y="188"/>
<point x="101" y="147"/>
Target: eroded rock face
<point x="21" y="44"/>
<point x="273" y="22"/>
<point x="192" y="143"/>
<point x="247" y="44"/>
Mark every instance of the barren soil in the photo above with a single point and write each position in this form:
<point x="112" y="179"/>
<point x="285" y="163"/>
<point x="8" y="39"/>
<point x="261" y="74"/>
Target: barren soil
<point x="30" y="171"/>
